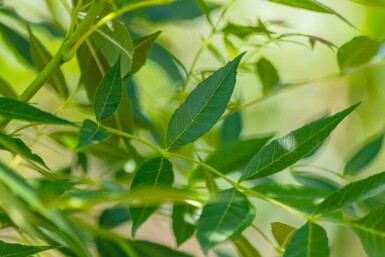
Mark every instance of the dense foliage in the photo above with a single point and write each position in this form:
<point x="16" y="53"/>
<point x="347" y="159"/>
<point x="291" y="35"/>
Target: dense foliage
<point x="195" y="168"/>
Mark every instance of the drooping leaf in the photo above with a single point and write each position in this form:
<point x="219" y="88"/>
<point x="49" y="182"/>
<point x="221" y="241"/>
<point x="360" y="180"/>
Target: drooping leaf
<point x="353" y="192"/>
<point x="315" y="180"/>
<point x="242" y="31"/>
<point x="231" y="128"/>
<point x="154" y="173"/>
<point x="308" y="241"/>
<point x="142" y="47"/>
<point x="18" y="250"/>
<point x="41" y="57"/>
<point x="109" y="93"/>
<point x="183" y="222"/>
<point x="115" y="44"/>
<point x="205" y="10"/>
<point x="221" y="217"/>
<point x="203" y="107"/>
<point x="371" y="231"/>
<point x="282" y="233"/>
<point x="91" y="133"/>
<point x="110" y="218"/>
<point x="358" y="51"/>
<point x="232" y="156"/>
<point x="232" y="50"/>
<point x="17" y="146"/>
<point x="6" y="90"/>
<point x="268" y="75"/>
<point x="246" y="249"/>
<point x="285" y="151"/>
<point x="364" y="156"/>
<point x="17" y="43"/>
<point x="14" y="109"/>
<point x="304" y="4"/>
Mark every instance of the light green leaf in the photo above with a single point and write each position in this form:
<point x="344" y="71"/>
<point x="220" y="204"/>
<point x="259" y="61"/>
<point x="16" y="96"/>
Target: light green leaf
<point x="230" y="47"/>
<point x="115" y="43"/>
<point x="377" y="4"/>
<point x="41" y="57"/>
<point x="246" y="249"/>
<point x="203" y="107"/>
<point x="109" y="93"/>
<point x="282" y="233"/>
<point x="371" y="231"/>
<point x="310" y="5"/>
<point x="154" y="173"/>
<point x="285" y="151"/>
<point x="18" y="110"/>
<point x="364" y="156"/>
<point x="358" y="51"/>
<point x="268" y="75"/>
<point x="232" y="156"/>
<point x="308" y="241"/>
<point x="223" y="215"/>
<point x="183" y="222"/>
<point x="142" y="47"/>
<point x="17" y="250"/>
<point x="242" y="31"/>
<point x="17" y="146"/>
<point x="353" y="192"/>
<point x="205" y="10"/>
<point x="6" y="90"/>
<point x="91" y="133"/>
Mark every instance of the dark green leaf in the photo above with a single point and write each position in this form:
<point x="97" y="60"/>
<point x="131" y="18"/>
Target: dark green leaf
<point x="314" y="180"/>
<point x="153" y="174"/>
<point x="353" y="192"/>
<point x="282" y="233"/>
<point x="17" y="250"/>
<point x="242" y="31"/>
<point x="232" y="156"/>
<point x="113" y="217"/>
<point x="109" y="93"/>
<point x="183" y="222"/>
<point x="17" y="146"/>
<point x="268" y="75"/>
<point x="285" y="151"/>
<point x="14" y="109"/>
<point x="142" y="47"/>
<point x="82" y="161"/>
<point x="358" y="51"/>
<point x="6" y="90"/>
<point x="308" y="241"/>
<point x="41" y="57"/>
<point x="115" y="43"/>
<point x="246" y="223"/>
<point x="364" y="156"/>
<point x="91" y="133"/>
<point x="17" y="43"/>
<point x="223" y="215"/>
<point x="203" y="107"/>
<point x="231" y="128"/>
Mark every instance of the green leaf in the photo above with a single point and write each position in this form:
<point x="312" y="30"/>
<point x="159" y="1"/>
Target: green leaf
<point x="246" y="223"/>
<point x="358" y="51"/>
<point x="18" y="110"/>
<point x="353" y="192"/>
<point x="17" y="43"/>
<point x="154" y="173"/>
<point x="113" y="217"/>
<point x="232" y="156"/>
<point x="222" y="216"/>
<point x="231" y="128"/>
<point x="268" y="75"/>
<point x="242" y="31"/>
<point x="17" y="250"/>
<point x="315" y="180"/>
<point x="109" y="93"/>
<point x="91" y="133"/>
<point x="282" y="233"/>
<point x="364" y="156"/>
<point x="17" y="146"/>
<point x="142" y="47"/>
<point x="203" y="107"/>
<point x="285" y="151"/>
<point x="230" y="47"/>
<point x="41" y="57"/>
<point x="371" y="231"/>
<point x="377" y="4"/>
<point x="115" y="43"/>
<point x="183" y="222"/>
<point x="246" y="249"/>
<point x="304" y="4"/>
<point x="308" y="241"/>
<point x="6" y="90"/>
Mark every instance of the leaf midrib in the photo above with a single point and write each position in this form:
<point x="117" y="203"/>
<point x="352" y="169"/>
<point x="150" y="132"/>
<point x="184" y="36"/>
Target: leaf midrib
<point x="108" y="94"/>
<point x="116" y="43"/>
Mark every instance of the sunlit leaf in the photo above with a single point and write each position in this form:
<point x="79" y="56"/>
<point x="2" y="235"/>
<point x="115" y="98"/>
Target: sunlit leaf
<point x="109" y="93"/>
<point x="221" y="217"/>
<point x="364" y="156"/>
<point x="358" y="51"/>
<point x="268" y="75"/>
<point x="310" y="5"/>
<point x="18" y="250"/>
<point x="242" y="31"/>
<point x="6" y="90"/>
<point x="282" y="233"/>
<point x="308" y="241"/>
<point x="183" y="222"/>
<point x="353" y="192"/>
<point x="91" y="133"/>
<point x="14" y="109"/>
<point x="377" y="4"/>
<point x="203" y="107"/>
<point x="232" y="50"/>
<point x="154" y="173"/>
<point x="285" y="151"/>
